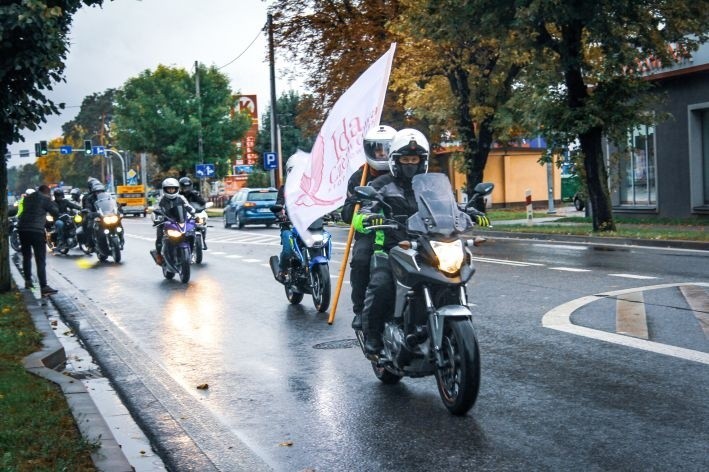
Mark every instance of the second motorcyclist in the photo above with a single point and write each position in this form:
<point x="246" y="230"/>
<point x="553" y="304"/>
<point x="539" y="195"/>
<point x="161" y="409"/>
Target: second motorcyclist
<point x="376" y="149"/>
<point x="65" y="206"/>
<point x="168" y="203"/>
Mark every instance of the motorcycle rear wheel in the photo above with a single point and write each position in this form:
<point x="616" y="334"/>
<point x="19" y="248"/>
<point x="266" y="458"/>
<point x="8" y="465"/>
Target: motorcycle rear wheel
<point x="459" y="379"/>
<point x="293" y="296"/>
<point x="321" y="287"/>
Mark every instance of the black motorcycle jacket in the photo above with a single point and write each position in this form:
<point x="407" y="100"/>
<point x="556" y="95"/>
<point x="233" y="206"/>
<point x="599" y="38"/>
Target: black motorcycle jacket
<point x="193" y="196"/>
<point x="34" y="214"/>
<point x="169" y="206"/>
<point x="399" y="195"/>
<point x="64" y="205"/>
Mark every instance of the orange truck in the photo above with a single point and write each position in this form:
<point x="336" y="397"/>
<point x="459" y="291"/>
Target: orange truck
<point x="132" y="199"/>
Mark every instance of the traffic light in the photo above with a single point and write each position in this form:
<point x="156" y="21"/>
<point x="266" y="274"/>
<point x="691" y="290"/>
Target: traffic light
<point x="43" y="148"/>
<point x="37" y="152"/>
<point x="87" y="147"/>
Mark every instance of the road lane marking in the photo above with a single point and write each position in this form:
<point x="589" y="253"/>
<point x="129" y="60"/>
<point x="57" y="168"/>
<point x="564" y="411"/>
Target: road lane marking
<point x="217" y="253"/>
<point x="505" y="262"/>
<point x="633" y="276"/>
<point x="252" y="260"/>
<point x="570" y="269"/>
<point x="630" y="317"/>
<point x="559" y="318"/>
<point x="699" y="303"/>
<point x="234" y="256"/>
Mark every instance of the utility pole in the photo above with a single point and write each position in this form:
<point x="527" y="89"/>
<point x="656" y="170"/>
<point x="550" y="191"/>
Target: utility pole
<point x="274" y="116"/>
<point x="199" y="107"/>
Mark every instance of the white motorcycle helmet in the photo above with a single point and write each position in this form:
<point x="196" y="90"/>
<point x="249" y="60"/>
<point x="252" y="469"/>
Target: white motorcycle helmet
<point x="408" y="142"/>
<point x="376" y="146"/>
<point x="170" y="187"/>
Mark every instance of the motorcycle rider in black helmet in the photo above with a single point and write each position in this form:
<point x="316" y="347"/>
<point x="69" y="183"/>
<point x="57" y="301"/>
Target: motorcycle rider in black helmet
<point x="64" y="206"/>
<point x="75" y="195"/>
<point x="376" y="150"/>
<point x="190" y="193"/>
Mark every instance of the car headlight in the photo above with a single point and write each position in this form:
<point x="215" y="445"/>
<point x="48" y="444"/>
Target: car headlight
<point x="450" y="255"/>
<point x="110" y="219"/>
<point x="50" y="218"/>
<point x="78" y="218"/>
<point x="173" y="233"/>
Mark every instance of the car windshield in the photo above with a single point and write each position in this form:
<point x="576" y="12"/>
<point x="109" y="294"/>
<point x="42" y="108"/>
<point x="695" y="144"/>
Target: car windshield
<point x="262" y="195"/>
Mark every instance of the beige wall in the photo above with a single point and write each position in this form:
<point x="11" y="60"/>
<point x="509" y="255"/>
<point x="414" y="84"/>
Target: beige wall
<point x="513" y="171"/>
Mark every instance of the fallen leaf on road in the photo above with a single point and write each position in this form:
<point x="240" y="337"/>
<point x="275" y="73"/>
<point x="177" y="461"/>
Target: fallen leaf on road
<point x="202" y="386"/>
<point x="286" y="443"/>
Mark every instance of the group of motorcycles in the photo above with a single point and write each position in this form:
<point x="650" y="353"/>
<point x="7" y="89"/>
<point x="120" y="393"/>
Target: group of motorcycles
<point x="431" y="329"/>
<point x="99" y="232"/>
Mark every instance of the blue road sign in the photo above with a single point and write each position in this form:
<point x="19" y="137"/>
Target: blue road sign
<point x="270" y="160"/>
<point x="100" y="150"/>
<point x="205" y="170"/>
<point x="65" y="149"/>
<point x="24" y="153"/>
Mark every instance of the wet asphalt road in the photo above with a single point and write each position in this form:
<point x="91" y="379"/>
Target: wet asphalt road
<point x="298" y="394"/>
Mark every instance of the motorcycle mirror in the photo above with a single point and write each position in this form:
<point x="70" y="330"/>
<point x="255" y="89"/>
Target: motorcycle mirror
<point x="484" y="188"/>
<point x="209" y="205"/>
<point x="366" y="193"/>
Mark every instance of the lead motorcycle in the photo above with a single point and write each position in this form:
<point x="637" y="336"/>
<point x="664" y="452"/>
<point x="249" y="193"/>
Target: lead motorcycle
<point x="105" y="229"/>
<point x="431" y="330"/>
<point x="178" y="238"/>
<point x="308" y="270"/>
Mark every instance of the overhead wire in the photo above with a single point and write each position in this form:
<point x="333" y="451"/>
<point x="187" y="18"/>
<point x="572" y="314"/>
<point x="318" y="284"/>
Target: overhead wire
<point x="244" y="51"/>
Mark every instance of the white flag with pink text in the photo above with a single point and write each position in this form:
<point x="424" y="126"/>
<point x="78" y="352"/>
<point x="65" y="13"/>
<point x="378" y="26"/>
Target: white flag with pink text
<point x="318" y="184"/>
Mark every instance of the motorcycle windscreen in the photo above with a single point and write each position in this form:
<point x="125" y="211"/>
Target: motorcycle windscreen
<point x="438" y="212"/>
<point x="106" y="204"/>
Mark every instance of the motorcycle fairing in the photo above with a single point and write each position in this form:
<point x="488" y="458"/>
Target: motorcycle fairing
<point x="438" y="213"/>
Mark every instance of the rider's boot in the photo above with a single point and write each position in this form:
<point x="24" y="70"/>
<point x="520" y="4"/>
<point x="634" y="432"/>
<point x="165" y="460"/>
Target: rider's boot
<point x="372" y="325"/>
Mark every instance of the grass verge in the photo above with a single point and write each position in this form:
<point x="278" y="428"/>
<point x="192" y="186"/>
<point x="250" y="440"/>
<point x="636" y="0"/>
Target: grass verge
<point x="37" y="430"/>
<point x="633" y="231"/>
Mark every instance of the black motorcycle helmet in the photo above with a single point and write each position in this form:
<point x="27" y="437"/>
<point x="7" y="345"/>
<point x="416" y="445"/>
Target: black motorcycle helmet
<point x="58" y="194"/>
<point x="185" y="184"/>
<point x="75" y="194"/>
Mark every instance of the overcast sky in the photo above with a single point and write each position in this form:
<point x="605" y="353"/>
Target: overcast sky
<point x="125" y="37"/>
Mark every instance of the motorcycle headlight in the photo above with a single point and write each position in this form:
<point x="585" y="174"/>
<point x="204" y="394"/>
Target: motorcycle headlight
<point x="110" y="219"/>
<point x="50" y="218"/>
<point x="318" y="240"/>
<point x="173" y="233"/>
<point x="200" y="220"/>
<point x="450" y="255"/>
<point x="78" y="218"/>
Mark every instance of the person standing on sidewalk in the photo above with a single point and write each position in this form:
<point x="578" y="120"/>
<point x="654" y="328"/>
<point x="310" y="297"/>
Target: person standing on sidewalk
<point x="30" y="226"/>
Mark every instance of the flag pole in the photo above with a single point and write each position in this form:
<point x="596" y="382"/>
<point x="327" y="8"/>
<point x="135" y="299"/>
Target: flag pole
<point x="345" y="258"/>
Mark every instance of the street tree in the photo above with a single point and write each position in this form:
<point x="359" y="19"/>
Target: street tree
<point x="296" y="132"/>
<point x="456" y="67"/>
<point x="585" y="81"/>
<point x="33" y="46"/>
<point x="333" y="43"/>
<point x="158" y="112"/>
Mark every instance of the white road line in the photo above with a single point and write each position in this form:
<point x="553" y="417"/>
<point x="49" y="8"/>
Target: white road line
<point x="570" y="269"/>
<point x="505" y="262"/>
<point x="633" y="276"/>
<point x="266" y="265"/>
<point x="252" y="260"/>
<point x="559" y="318"/>
<point x="234" y="256"/>
<point x="562" y="246"/>
<point x="217" y="253"/>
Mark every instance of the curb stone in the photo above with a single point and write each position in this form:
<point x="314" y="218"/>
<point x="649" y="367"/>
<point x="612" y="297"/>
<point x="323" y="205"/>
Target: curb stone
<point x="109" y="457"/>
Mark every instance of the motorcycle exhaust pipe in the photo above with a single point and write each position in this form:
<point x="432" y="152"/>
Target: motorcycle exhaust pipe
<point x="273" y="262"/>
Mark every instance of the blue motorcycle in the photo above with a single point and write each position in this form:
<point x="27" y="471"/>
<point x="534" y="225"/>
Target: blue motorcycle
<point x="308" y="269"/>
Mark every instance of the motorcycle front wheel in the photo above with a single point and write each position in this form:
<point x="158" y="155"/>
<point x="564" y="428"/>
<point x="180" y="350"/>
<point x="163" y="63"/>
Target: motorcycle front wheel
<point x="116" y="249"/>
<point x="185" y="266"/>
<point x="321" y="287"/>
<point x="459" y="379"/>
<point x="197" y="255"/>
<point x="15" y="241"/>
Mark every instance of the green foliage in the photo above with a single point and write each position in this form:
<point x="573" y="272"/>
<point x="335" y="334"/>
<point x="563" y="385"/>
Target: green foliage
<point x="159" y="113"/>
<point x="23" y="177"/>
<point x="93" y="120"/>
<point x="258" y="178"/>
<point x="37" y="431"/>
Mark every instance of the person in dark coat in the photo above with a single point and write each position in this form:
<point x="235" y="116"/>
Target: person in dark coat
<point x="30" y="226"/>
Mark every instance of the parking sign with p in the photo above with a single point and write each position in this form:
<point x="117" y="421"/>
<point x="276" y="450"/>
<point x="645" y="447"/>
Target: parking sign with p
<point x="270" y="160"/>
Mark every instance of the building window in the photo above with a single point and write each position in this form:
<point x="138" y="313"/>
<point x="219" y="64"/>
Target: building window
<point x="636" y="183"/>
<point x="699" y="157"/>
